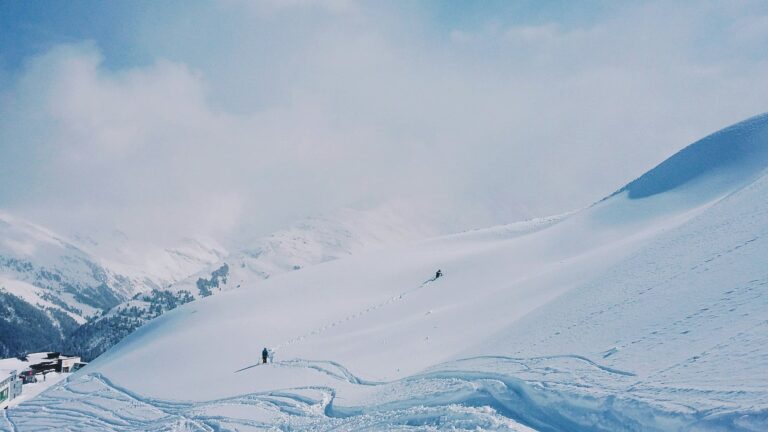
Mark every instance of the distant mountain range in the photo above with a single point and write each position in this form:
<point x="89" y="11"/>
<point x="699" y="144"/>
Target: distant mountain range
<point x="51" y="285"/>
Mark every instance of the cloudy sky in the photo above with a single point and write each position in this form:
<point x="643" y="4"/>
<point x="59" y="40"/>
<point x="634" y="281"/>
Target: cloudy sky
<point x="193" y="117"/>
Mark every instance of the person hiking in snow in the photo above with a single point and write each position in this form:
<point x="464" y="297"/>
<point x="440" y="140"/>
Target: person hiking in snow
<point x="264" y="354"/>
<point x="438" y="274"/>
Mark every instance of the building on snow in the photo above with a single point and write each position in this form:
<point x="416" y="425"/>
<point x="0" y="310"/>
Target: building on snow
<point x="10" y="388"/>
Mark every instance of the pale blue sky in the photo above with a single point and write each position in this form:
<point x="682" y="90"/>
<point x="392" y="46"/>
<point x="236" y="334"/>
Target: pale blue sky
<point x="31" y="27"/>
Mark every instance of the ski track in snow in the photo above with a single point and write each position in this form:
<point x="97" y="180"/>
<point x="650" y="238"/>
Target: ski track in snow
<point x="11" y="426"/>
<point x="487" y="392"/>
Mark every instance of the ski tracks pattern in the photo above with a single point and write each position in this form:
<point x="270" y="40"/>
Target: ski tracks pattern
<point x="568" y="392"/>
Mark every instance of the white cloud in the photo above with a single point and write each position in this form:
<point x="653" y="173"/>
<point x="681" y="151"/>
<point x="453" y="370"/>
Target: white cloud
<point x="289" y="111"/>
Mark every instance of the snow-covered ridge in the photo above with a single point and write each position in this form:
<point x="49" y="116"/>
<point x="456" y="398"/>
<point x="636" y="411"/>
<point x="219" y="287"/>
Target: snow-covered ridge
<point x="324" y="238"/>
<point x="637" y="313"/>
<point x="54" y="276"/>
<point x="736" y="155"/>
<point x="50" y="285"/>
<point x="144" y="260"/>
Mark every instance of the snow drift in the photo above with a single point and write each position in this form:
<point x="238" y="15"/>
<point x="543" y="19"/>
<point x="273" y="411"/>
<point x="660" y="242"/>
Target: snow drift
<point x="732" y="156"/>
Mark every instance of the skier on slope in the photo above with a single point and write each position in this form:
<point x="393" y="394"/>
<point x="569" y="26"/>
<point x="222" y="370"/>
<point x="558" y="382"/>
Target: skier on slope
<point x="264" y="354"/>
<point x="438" y="273"/>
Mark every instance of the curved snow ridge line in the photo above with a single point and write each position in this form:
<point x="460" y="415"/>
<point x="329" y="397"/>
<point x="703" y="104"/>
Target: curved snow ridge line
<point x="512" y="230"/>
<point x="522" y="361"/>
<point x="11" y="425"/>
<point x="541" y="407"/>
<point x="346" y="375"/>
<point x="738" y="148"/>
<point x="173" y="409"/>
<point x="176" y="405"/>
<point x="530" y="403"/>
<point x="110" y="407"/>
<point x="343" y="373"/>
<point x="326" y="405"/>
<point x="351" y="317"/>
<point x="105" y="412"/>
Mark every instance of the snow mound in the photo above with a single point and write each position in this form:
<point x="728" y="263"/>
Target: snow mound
<point x="736" y="154"/>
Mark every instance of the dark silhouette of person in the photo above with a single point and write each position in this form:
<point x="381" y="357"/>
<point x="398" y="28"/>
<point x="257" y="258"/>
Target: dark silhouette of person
<point x="438" y="273"/>
<point x="264" y="355"/>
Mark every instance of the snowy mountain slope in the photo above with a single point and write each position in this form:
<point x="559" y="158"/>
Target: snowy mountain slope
<point x="686" y="313"/>
<point x="312" y="241"/>
<point x="50" y="285"/>
<point x="732" y="156"/>
<point x="39" y="257"/>
<point x="643" y="312"/>
<point x="160" y="263"/>
<point x="309" y="242"/>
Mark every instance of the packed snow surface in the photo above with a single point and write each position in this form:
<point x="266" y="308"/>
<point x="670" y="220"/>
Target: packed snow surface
<point x="645" y="311"/>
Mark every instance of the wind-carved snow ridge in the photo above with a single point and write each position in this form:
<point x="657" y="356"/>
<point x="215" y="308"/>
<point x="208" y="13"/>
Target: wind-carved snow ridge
<point x="735" y="154"/>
